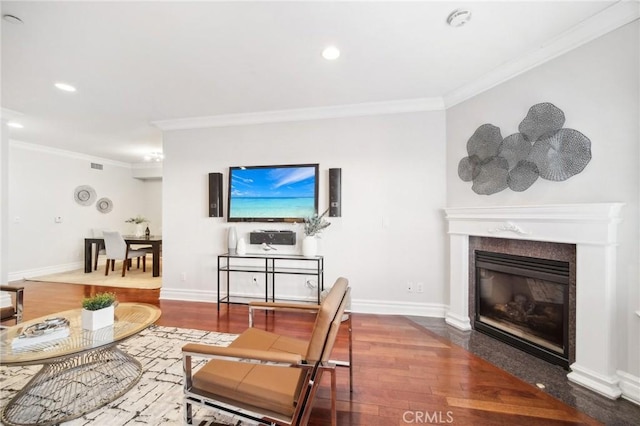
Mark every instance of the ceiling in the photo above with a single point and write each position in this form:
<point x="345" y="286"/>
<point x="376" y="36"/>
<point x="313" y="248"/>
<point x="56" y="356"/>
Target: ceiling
<point x="134" y="63"/>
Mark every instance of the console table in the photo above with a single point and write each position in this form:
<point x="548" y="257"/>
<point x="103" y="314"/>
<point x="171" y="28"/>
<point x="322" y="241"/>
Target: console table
<point x="270" y="266"/>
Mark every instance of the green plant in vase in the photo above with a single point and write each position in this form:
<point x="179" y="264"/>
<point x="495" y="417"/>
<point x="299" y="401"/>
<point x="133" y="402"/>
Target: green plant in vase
<point x="98" y="311"/>
<point x="313" y="227"/>
<point x="99" y="301"/>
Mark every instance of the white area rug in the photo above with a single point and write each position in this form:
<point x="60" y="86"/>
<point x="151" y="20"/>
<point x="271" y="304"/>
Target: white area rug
<point x="157" y="398"/>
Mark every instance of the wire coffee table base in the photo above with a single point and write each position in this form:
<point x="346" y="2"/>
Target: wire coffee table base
<point x="73" y="385"/>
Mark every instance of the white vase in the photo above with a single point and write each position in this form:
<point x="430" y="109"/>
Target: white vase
<point x="139" y="230"/>
<point x="232" y="240"/>
<point x="242" y="247"/>
<point x="94" y="320"/>
<point x="309" y="246"/>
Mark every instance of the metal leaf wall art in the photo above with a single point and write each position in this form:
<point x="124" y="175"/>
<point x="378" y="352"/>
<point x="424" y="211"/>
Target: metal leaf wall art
<point x="542" y="148"/>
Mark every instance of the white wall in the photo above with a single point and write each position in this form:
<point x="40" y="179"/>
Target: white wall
<point x="41" y="187"/>
<point x="597" y="87"/>
<point x="393" y="172"/>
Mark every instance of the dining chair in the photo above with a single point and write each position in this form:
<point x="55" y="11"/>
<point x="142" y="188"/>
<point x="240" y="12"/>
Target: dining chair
<point x="100" y="250"/>
<point x="117" y="249"/>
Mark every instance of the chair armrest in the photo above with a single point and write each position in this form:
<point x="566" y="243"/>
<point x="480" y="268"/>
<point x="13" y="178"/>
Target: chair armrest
<point x="12" y="288"/>
<point x="242" y="354"/>
<point x="280" y="306"/>
<point x="284" y="305"/>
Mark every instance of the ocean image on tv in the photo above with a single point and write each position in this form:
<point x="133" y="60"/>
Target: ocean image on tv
<point x="272" y="192"/>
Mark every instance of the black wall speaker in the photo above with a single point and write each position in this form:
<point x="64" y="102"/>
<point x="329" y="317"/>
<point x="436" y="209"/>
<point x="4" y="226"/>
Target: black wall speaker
<point x="215" y="195"/>
<point x="335" y="192"/>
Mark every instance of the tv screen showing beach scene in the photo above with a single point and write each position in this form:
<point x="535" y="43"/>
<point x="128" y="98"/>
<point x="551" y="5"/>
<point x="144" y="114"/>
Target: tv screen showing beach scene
<point x="286" y="193"/>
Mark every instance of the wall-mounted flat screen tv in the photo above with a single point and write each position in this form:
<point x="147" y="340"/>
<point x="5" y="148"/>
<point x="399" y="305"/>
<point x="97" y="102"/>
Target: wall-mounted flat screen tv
<point x="286" y="193"/>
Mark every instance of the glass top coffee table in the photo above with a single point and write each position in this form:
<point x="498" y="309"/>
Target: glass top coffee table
<point x="81" y="372"/>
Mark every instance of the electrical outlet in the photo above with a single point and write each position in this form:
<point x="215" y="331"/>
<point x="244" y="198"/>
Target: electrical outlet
<point x="410" y="287"/>
<point x="420" y="287"/>
<point x="183" y="276"/>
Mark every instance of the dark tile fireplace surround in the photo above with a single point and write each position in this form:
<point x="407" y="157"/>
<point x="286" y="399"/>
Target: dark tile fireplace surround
<point x="497" y="322"/>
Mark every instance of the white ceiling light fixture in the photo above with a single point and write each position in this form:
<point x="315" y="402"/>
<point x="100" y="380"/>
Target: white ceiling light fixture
<point x="15" y="125"/>
<point x="331" y="53"/>
<point x="154" y="156"/>
<point x="459" y="17"/>
<point x="65" y="87"/>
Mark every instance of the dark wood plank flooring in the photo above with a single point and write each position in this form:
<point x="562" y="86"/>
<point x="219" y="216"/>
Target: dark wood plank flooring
<point x="403" y="373"/>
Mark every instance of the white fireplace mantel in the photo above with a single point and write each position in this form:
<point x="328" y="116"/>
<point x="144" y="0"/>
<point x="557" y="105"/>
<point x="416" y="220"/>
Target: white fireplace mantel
<point x="593" y="229"/>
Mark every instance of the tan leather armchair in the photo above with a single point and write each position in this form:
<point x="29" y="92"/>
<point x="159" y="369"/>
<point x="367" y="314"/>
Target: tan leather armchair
<point x="299" y="346"/>
<point x="255" y="379"/>
<point x="13" y="312"/>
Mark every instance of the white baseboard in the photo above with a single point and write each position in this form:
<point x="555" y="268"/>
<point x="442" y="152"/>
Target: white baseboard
<point x="358" y="306"/>
<point x="608" y="386"/>
<point x="398" y="308"/>
<point x="630" y="386"/>
<point x="47" y="270"/>
<point x="187" y="295"/>
<point x="457" y="321"/>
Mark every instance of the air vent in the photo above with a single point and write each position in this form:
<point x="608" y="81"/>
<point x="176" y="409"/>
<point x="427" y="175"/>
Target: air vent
<point x="96" y="166"/>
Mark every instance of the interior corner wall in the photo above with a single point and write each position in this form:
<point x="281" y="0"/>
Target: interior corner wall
<point x="597" y="86"/>
<point x="4" y="203"/>
<point x="393" y="190"/>
<point x="41" y="188"/>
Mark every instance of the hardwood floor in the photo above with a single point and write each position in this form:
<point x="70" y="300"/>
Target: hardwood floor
<point x="403" y="374"/>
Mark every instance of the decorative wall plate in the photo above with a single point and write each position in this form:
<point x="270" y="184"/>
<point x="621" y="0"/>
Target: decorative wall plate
<point x="84" y="195"/>
<point x="104" y="205"/>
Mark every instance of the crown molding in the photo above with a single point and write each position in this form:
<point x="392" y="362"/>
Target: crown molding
<point x="65" y="153"/>
<point x="611" y="18"/>
<point x="303" y="114"/>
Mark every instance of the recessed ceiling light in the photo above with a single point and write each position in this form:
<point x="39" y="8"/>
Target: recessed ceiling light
<point x="331" y="53"/>
<point x="459" y="17"/>
<point x="12" y="18"/>
<point x="65" y="87"/>
<point x="15" y="125"/>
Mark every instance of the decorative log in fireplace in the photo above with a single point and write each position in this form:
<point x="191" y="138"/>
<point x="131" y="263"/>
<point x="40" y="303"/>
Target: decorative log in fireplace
<point x="524" y="301"/>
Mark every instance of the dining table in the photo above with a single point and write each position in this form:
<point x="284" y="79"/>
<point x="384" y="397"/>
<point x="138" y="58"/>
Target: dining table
<point x="94" y="243"/>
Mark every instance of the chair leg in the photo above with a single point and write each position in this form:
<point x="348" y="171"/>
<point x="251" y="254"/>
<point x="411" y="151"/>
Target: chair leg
<point x="106" y="270"/>
<point x="19" y="305"/>
<point x="138" y="260"/>
<point x="125" y="263"/>
<point x="334" y="414"/>
<point x="350" y="355"/>
<point x="144" y="263"/>
<point x="95" y="263"/>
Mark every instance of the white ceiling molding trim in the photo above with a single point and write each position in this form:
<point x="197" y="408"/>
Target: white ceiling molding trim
<point x="303" y="114"/>
<point x="617" y="15"/>
<point x="65" y="153"/>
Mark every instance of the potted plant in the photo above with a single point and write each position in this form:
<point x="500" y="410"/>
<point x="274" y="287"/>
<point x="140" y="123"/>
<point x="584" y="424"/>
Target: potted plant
<point x="313" y="227"/>
<point x="138" y="221"/>
<point x="98" y="311"/>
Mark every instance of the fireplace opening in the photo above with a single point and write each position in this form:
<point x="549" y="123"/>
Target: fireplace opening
<point x="524" y="301"/>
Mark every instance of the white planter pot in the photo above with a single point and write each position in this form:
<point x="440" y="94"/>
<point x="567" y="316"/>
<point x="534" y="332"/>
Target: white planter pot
<point x="139" y="232"/>
<point x="309" y="246"/>
<point x="94" y="320"/>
